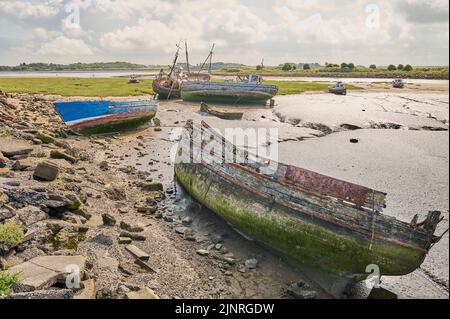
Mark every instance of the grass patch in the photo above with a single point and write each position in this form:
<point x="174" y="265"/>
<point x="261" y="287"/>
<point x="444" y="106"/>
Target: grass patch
<point x="297" y="87"/>
<point x="100" y="87"/>
<point x="120" y="87"/>
<point x="6" y="282"/>
<point x="10" y="235"/>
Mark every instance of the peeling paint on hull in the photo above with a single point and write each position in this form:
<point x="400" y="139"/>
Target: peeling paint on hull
<point x="308" y="240"/>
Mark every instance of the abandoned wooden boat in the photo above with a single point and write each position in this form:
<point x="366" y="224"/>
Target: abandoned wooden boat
<point x="339" y="88"/>
<point x="248" y="89"/>
<point x="222" y="114"/>
<point x="102" y="117"/>
<point x="326" y="223"/>
<point x="167" y="86"/>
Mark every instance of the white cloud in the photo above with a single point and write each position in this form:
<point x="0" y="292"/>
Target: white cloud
<point x="26" y="9"/>
<point x="62" y="46"/>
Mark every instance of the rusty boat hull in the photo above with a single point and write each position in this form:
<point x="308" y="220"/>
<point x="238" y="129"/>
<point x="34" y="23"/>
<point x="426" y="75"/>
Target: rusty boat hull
<point x="327" y="224"/>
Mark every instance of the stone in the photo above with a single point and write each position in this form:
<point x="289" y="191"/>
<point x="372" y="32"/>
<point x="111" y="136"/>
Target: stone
<point x="131" y="228"/>
<point x="354" y="140"/>
<point x="133" y="236"/>
<point x="218" y="246"/>
<point x="203" y="252"/>
<point x="152" y="187"/>
<point x="138" y="253"/>
<point x="180" y="230"/>
<point x="45" y="138"/>
<point x="150" y="210"/>
<point x="102" y="239"/>
<point x="10" y="148"/>
<point x="144" y="293"/>
<point x="46" y="171"/>
<point x="30" y="215"/>
<point x="21" y="165"/>
<point x="301" y="290"/>
<point x="3" y="161"/>
<point x="56" y="154"/>
<point x="44" y="271"/>
<point x="6" y="214"/>
<point x="186" y="221"/>
<point x="251" y="263"/>
<point x="52" y="294"/>
<point x="125" y="240"/>
<point x="115" y="193"/>
<point x="108" y="220"/>
<point x="89" y="291"/>
<point x="189" y="235"/>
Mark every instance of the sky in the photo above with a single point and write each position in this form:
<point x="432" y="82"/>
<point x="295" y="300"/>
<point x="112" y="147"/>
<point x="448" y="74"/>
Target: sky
<point x="364" y="32"/>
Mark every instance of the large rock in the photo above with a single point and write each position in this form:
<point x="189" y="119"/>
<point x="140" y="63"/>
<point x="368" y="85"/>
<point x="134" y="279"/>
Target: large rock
<point x="11" y="148"/>
<point x="30" y="215"/>
<point x="43" y="272"/>
<point x="3" y="161"/>
<point x="46" y="171"/>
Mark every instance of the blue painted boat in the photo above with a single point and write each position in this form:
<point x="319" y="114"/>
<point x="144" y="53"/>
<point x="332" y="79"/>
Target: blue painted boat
<point x="102" y="117"/>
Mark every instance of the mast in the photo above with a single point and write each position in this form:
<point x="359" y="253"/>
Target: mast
<point x="187" y="57"/>
<point x="175" y="61"/>
<point x="209" y="57"/>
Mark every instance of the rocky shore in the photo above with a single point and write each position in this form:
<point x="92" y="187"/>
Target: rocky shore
<point x="81" y="220"/>
<point x="107" y="208"/>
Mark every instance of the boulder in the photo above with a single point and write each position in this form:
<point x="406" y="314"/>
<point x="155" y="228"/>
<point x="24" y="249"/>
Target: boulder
<point x="108" y="220"/>
<point x="131" y="228"/>
<point x="45" y="271"/>
<point x="152" y="187"/>
<point x="10" y="148"/>
<point x="45" y="138"/>
<point x="46" y="171"/>
<point x="30" y="215"/>
<point x="3" y="161"/>
<point x="21" y="165"/>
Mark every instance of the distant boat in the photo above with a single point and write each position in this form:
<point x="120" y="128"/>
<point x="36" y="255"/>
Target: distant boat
<point x="133" y="80"/>
<point x="102" y="117"/>
<point x="247" y="89"/>
<point x="398" y="84"/>
<point x="325" y="223"/>
<point x="339" y="88"/>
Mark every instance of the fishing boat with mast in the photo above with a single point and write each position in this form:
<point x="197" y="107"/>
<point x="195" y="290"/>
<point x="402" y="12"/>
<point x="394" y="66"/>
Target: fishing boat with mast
<point x="246" y="89"/>
<point x="330" y="225"/>
<point x="168" y="85"/>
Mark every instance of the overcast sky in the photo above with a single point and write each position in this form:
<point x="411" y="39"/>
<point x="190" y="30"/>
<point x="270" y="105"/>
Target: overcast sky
<point x="245" y="31"/>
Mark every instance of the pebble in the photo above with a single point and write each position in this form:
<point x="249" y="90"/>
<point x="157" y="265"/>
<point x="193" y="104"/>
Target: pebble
<point x="203" y="252"/>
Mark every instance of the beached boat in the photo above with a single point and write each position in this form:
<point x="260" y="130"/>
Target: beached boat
<point x="339" y="88"/>
<point x="102" y="117"/>
<point x="247" y="89"/>
<point x="325" y="223"/>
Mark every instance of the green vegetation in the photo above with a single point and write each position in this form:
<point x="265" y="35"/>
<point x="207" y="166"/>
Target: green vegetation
<point x="297" y="87"/>
<point x="77" y="67"/>
<point x="119" y="87"/>
<point x="100" y="87"/>
<point x="6" y="282"/>
<point x="10" y="235"/>
<point x="347" y="69"/>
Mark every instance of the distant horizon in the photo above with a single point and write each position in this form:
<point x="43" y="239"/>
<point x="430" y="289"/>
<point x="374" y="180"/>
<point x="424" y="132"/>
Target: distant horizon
<point x="218" y="62"/>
